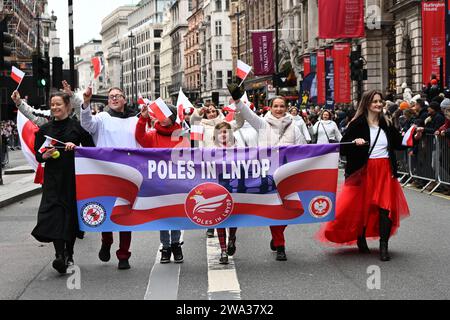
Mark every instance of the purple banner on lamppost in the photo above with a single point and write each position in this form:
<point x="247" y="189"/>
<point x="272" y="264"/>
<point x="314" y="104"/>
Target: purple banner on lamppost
<point x="263" y="62"/>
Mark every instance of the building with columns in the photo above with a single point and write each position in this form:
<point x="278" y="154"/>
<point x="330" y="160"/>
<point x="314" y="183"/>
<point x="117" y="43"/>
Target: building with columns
<point x="166" y="57"/>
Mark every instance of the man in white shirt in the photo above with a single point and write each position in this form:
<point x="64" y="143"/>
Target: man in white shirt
<point x="114" y="128"/>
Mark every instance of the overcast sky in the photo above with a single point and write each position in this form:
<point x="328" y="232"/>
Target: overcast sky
<point x="88" y="16"/>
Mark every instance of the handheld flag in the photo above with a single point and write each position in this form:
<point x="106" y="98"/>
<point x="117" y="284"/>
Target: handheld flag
<point x="197" y="133"/>
<point x="49" y="142"/>
<point x="243" y="70"/>
<point x="98" y="66"/>
<point x="160" y="109"/>
<point x="408" y="138"/>
<point x="17" y="75"/>
<point x="183" y="104"/>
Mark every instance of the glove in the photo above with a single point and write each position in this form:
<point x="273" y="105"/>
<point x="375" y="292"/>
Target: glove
<point x="236" y="91"/>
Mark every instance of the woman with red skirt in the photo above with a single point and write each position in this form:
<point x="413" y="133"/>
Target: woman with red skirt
<point x="371" y="202"/>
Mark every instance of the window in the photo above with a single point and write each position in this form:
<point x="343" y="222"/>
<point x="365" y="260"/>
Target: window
<point x="230" y="76"/>
<point x="157" y="45"/>
<point x="157" y="33"/>
<point x="218" y="5"/>
<point x="219" y="80"/>
<point x="218" y="28"/>
<point x="218" y="52"/>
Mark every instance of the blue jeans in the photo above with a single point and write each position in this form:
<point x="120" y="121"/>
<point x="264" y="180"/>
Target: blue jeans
<point x="169" y="237"/>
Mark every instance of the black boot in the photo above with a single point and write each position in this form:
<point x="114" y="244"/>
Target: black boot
<point x="177" y="252"/>
<point x="281" y="254"/>
<point x="59" y="264"/>
<point x="362" y="243"/>
<point x="385" y="232"/>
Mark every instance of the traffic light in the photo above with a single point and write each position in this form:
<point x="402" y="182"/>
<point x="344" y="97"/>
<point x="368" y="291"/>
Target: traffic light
<point x="357" y="66"/>
<point x="41" y="71"/>
<point x="6" y="40"/>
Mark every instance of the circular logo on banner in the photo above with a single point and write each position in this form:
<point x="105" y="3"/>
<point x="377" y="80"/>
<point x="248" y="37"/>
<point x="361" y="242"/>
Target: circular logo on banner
<point x="320" y="207"/>
<point x="93" y="214"/>
<point x="209" y="204"/>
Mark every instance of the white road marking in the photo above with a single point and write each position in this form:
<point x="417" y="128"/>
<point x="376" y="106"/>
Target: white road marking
<point x="223" y="283"/>
<point x="164" y="279"/>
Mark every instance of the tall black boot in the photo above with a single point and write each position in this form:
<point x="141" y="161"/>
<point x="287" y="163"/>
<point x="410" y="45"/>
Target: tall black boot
<point x="385" y="232"/>
<point x="59" y="264"/>
<point x="362" y="243"/>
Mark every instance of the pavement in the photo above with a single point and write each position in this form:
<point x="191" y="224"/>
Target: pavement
<point x="18" y="180"/>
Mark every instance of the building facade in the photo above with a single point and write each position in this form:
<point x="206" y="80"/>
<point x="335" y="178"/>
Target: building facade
<point x="114" y="27"/>
<point x="215" y="52"/>
<point x="84" y="67"/>
<point x="166" y="57"/>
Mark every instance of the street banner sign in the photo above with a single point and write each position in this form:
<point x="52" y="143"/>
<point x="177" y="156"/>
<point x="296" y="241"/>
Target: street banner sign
<point x="341" y="19"/>
<point x="263" y="62"/>
<point x="182" y="189"/>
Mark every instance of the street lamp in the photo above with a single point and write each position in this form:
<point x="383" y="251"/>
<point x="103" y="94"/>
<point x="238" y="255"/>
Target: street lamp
<point x="133" y="49"/>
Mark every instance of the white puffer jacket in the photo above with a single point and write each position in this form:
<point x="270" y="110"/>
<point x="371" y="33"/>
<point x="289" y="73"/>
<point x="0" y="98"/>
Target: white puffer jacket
<point x="272" y="131"/>
<point x="331" y="128"/>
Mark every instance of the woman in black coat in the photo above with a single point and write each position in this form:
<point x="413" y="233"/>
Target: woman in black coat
<point x="371" y="202"/>
<point x="57" y="216"/>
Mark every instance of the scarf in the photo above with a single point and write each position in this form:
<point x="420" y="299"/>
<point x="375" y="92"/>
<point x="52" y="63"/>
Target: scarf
<point x="167" y="131"/>
<point x="279" y="124"/>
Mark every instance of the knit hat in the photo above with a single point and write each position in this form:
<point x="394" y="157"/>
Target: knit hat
<point x="434" y="82"/>
<point x="404" y="105"/>
<point x="435" y="106"/>
<point x="445" y="104"/>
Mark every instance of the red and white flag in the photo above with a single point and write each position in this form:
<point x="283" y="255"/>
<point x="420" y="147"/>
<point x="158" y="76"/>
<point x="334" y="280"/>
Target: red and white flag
<point x="183" y="104"/>
<point x="408" y="138"/>
<point x="98" y="66"/>
<point x="17" y="75"/>
<point x="243" y="70"/>
<point x="49" y="142"/>
<point x="27" y="133"/>
<point x="160" y="109"/>
<point x="197" y="133"/>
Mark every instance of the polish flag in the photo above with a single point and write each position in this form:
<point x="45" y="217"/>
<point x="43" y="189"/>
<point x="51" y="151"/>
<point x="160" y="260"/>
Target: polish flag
<point x="160" y="109"/>
<point x="197" y="133"/>
<point x="408" y="138"/>
<point x="230" y="116"/>
<point x="17" y="75"/>
<point x="98" y="66"/>
<point x="183" y="104"/>
<point x="243" y="70"/>
<point x="49" y="142"/>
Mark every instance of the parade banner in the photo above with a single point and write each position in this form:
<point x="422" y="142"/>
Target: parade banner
<point x="321" y="99"/>
<point x="182" y="189"/>
<point x="341" y="19"/>
<point x="433" y="37"/>
<point x="329" y="80"/>
<point x="263" y="62"/>
<point x="342" y="82"/>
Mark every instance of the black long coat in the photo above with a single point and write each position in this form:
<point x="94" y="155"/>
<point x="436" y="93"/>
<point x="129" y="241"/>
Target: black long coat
<point x="357" y="157"/>
<point x="57" y="215"/>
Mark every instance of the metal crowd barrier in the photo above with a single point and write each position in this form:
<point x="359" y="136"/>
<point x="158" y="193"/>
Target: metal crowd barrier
<point x="429" y="160"/>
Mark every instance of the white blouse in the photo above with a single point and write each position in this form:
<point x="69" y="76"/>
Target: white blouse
<point x="381" y="148"/>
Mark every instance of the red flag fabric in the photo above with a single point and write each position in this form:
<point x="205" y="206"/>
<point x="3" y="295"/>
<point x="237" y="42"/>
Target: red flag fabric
<point x="306" y="66"/>
<point x="197" y="132"/>
<point x="433" y="39"/>
<point x="341" y="19"/>
<point x="243" y="70"/>
<point x="160" y="109"/>
<point x="98" y="66"/>
<point x="408" y="138"/>
<point x="321" y="99"/>
<point x="342" y="81"/>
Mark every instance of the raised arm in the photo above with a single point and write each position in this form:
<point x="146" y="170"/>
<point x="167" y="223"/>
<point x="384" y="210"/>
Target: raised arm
<point x="88" y="122"/>
<point x="27" y="110"/>
<point x="247" y="114"/>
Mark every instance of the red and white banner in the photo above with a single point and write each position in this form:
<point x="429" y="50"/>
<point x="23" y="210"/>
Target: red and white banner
<point x="160" y="109"/>
<point x="306" y="66"/>
<point x="183" y="104"/>
<point x="342" y="81"/>
<point x="341" y="19"/>
<point x="17" y="75"/>
<point x="27" y="132"/>
<point x="263" y="61"/>
<point x="98" y="66"/>
<point x="197" y="132"/>
<point x="433" y="39"/>
<point x="321" y="99"/>
<point x="243" y="70"/>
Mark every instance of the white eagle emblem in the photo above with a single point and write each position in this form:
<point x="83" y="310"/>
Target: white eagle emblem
<point x="203" y="205"/>
<point x="320" y="207"/>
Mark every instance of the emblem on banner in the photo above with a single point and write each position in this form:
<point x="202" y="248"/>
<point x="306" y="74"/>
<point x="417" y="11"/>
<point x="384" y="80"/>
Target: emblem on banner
<point x="93" y="214"/>
<point x="209" y="204"/>
<point x="320" y="207"/>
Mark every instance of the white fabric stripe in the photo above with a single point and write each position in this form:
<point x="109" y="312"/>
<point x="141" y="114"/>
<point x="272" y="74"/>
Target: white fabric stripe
<point x="85" y="166"/>
<point x="243" y="66"/>
<point x="327" y="161"/>
<point x="163" y="107"/>
<point x="148" y="203"/>
<point x="223" y="283"/>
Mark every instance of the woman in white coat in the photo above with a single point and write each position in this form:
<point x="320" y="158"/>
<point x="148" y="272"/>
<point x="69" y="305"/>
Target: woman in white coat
<point x="326" y="129"/>
<point x="300" y="123"/>
<point x="275" y="129"/>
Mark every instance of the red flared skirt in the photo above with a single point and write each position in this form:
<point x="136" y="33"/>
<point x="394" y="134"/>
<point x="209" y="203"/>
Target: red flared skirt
<point x="358" y="203"/>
